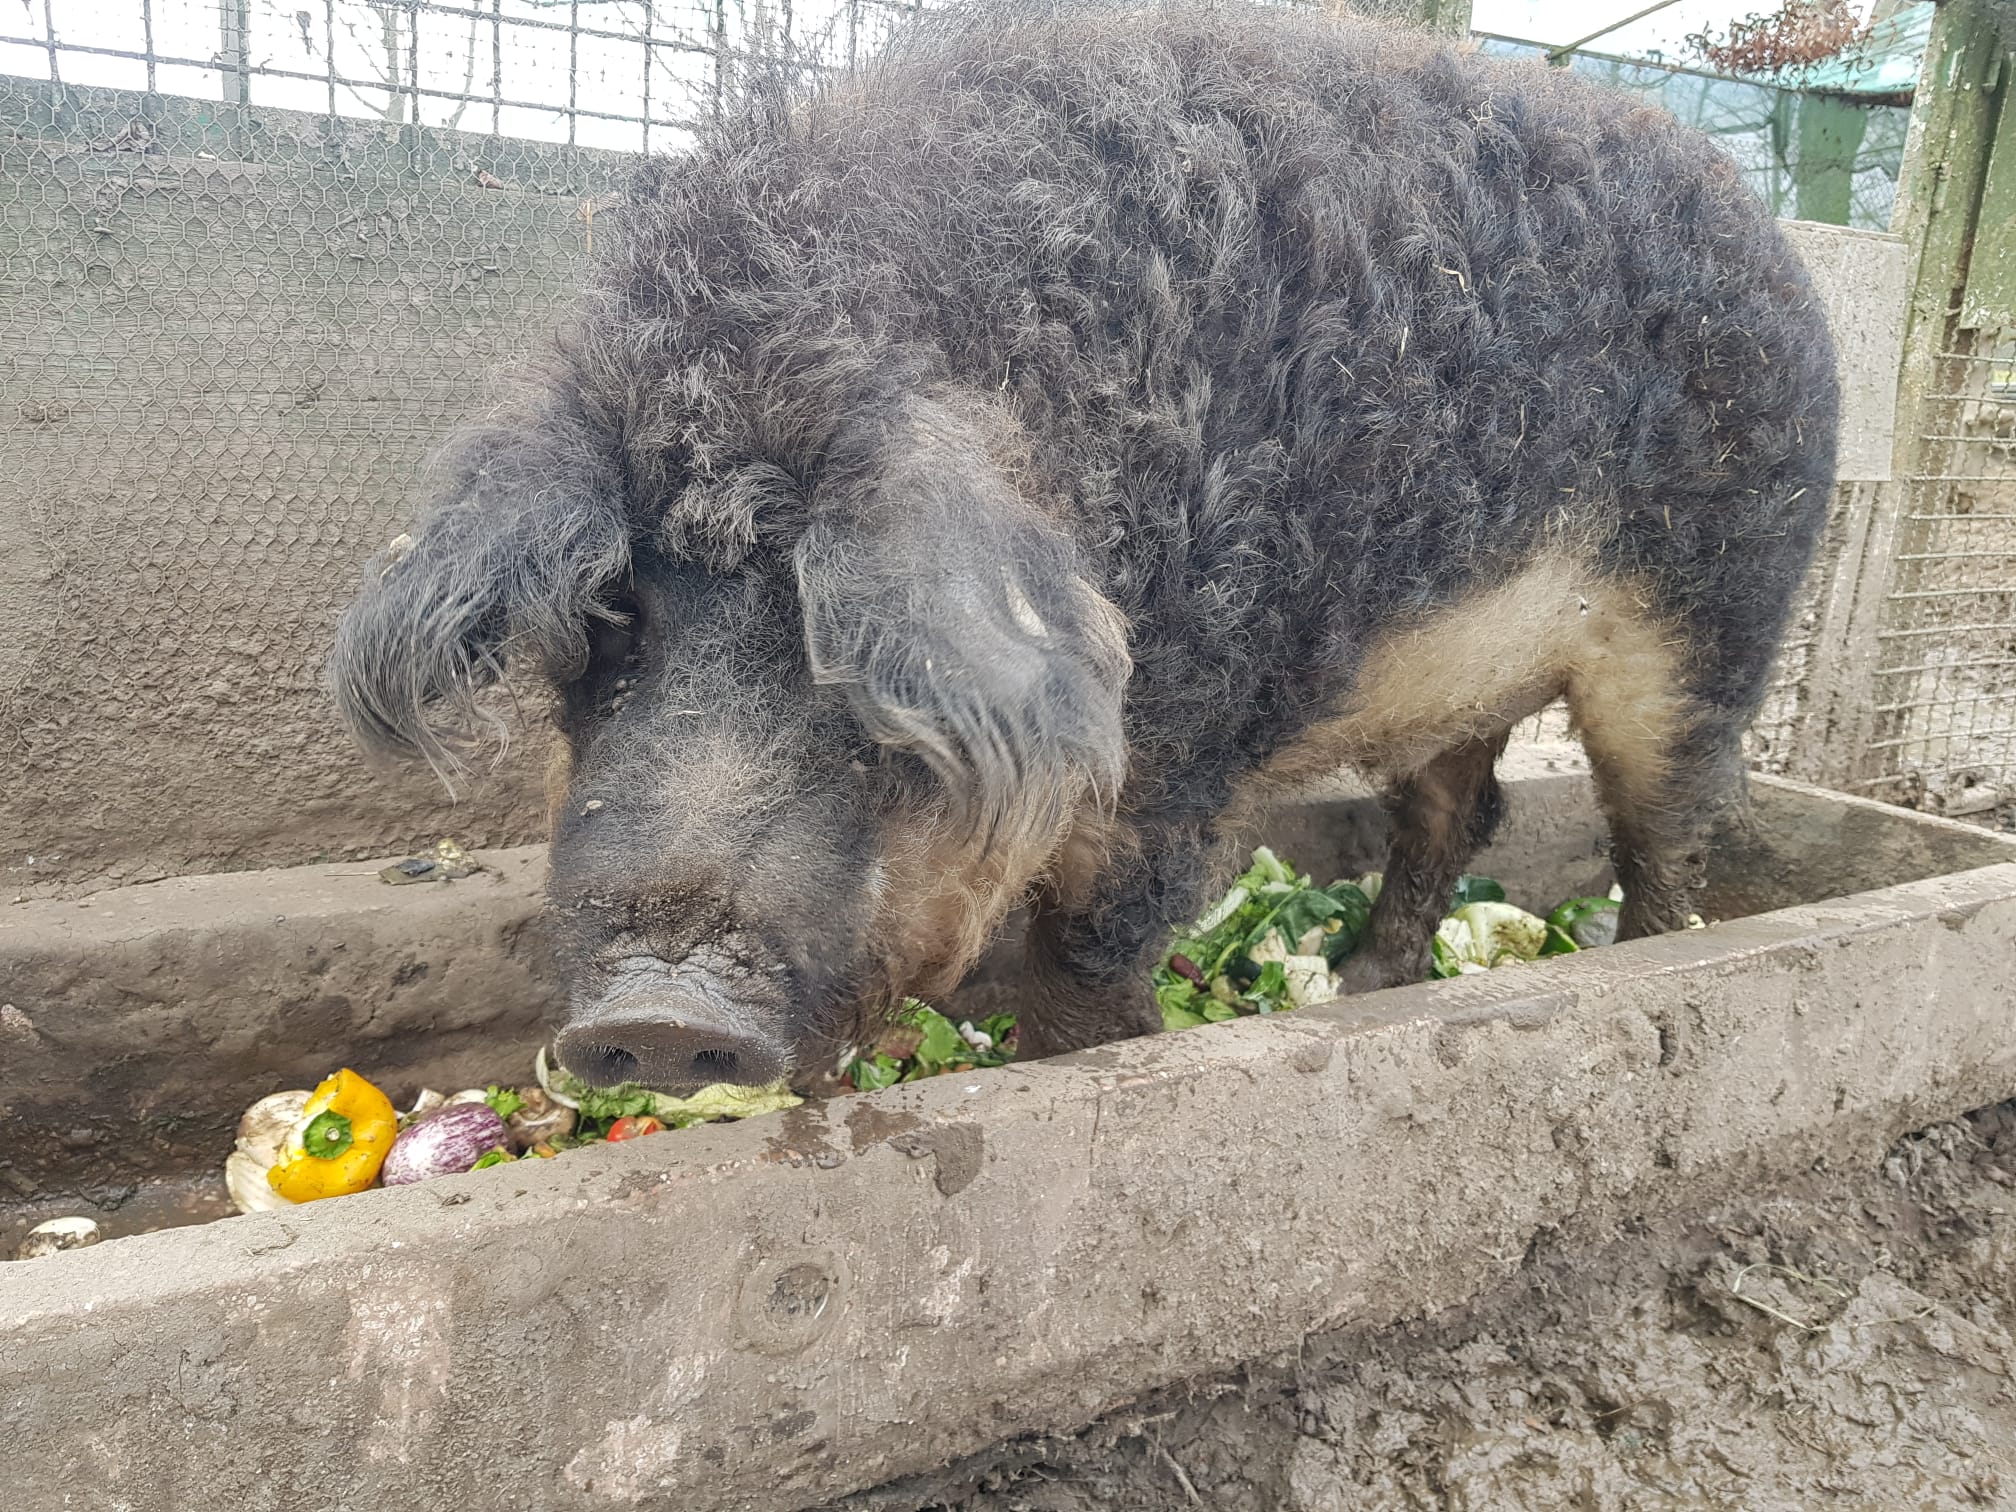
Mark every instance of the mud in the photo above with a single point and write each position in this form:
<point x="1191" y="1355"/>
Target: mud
<point x="1843" y="1340"/>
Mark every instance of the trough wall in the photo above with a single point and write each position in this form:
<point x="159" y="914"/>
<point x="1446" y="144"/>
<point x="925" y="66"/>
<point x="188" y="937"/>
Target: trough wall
<point x="760" y="1317"/>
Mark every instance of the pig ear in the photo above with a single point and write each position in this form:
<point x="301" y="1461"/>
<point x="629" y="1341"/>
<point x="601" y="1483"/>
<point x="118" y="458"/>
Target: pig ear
<point x="957" y="618"/>
<point x="526" y="534"/>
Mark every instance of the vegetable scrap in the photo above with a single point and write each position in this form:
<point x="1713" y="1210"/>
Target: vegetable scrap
<point x="346" y="1137"/>
<point x="58" y="1234"/>
<point x="1276" y="940"/>
<point x="1273" y="943"/>
<point x="922" y="1042"/>
<point x="336" y="1146"/>
<point x="446" y="1142"/>
<point x="445" y="863"/>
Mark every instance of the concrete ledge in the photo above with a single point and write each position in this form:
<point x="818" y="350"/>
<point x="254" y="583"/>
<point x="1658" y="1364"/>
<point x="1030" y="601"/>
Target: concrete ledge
<point x="762" y="1316"/>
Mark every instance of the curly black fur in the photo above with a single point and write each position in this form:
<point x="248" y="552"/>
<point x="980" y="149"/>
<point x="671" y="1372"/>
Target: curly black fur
<point x="1253" y="332"/>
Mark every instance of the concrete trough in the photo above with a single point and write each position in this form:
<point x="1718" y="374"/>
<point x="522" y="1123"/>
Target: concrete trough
<point x="770" y="1314"/>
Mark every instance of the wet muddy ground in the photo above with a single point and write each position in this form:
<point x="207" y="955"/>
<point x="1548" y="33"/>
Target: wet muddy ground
<point x="1846" y="1340"/>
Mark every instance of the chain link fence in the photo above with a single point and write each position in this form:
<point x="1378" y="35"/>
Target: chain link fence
<point x="621" y="75"/>
<point x="231" y="332"/>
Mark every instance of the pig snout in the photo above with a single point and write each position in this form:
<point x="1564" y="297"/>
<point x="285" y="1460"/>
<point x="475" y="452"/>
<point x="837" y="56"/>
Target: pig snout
<point x="671" y="1028"/>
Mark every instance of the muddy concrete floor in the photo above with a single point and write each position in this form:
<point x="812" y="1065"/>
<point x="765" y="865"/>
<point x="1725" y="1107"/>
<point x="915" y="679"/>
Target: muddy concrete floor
<point x="1846" y="1340"/>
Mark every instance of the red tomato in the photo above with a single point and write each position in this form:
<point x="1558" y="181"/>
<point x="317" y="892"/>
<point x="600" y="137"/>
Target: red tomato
<point x="633" y="1126"/>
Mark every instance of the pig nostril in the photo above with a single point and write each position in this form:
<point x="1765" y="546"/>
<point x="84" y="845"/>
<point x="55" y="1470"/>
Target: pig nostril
<point x="612" y="1064"/>
<point x="714" y="1066"/>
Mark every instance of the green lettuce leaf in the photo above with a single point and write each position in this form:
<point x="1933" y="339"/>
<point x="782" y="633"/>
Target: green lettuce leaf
<point x="1471" y="889"/>
<point x="504" y="1101"/>
<point x="721" y="1101"/>
<point x="1587" y="922"/>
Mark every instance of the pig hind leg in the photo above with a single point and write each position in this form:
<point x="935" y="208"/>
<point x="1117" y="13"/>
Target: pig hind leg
<point x="1666" y="750"/>
<point x="1666" y="766"/>
<point x="1442" y="815"/>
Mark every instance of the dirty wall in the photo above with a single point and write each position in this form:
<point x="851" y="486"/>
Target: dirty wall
<point x="228" y="340"/>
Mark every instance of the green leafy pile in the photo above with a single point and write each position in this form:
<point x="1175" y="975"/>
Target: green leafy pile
<point x="1276" y="939"/>
<point x="1272" y="942"/>
<point x="596" y="1108"/>
<point x="1486" y="932"/>
<point x="922" y="1042"/>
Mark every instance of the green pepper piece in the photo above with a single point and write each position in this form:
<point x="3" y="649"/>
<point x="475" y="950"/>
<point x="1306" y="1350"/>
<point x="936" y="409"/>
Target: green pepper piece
<point x="327" y="1136"/>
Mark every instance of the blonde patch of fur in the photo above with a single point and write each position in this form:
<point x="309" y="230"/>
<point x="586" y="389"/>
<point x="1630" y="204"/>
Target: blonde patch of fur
<point x="1097" y="837"/>
<point x="945" y="896"/>
<point x="1473" y="670"/>
<point x="559" y="772"/>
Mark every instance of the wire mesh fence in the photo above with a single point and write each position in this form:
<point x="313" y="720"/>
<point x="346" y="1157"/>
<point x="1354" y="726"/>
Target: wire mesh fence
<point x="1945" y="680"/>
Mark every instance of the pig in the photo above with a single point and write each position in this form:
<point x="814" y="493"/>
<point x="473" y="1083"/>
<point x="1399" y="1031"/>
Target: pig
<point x="980" y="481"/>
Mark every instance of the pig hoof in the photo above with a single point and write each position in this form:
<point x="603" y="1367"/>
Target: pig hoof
<point x="1368" y="973"/>
<point x="1035" y="1041"/>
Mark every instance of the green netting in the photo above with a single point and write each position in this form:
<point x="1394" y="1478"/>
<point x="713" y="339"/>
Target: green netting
<point x="1809" y="156"/>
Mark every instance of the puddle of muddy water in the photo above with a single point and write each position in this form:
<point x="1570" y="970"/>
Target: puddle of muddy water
<point x="161" y="1202"/>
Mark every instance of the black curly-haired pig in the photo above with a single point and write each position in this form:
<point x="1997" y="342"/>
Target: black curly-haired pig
<point x="976" y="482"/>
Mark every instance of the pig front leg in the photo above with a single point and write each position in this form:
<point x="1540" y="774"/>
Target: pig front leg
<point x="1099" y="927"/>
<point x="1442" y="816"/>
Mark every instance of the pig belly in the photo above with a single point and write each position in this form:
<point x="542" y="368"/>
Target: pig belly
<point x="1472" y="669"/>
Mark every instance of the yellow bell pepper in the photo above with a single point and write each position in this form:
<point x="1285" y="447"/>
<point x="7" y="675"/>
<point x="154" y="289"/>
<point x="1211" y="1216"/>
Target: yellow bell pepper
<point x="342" y="1138"/>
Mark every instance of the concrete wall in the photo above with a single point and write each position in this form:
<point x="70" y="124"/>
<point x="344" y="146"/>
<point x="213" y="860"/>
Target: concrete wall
<point x="223" y="360"/>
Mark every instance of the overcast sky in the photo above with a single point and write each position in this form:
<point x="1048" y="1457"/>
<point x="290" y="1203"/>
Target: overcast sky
<point x="456" y="55"/>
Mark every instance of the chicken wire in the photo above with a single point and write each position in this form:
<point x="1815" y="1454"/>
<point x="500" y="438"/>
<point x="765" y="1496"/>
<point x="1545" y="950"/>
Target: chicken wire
<point x="1945" y="680"/>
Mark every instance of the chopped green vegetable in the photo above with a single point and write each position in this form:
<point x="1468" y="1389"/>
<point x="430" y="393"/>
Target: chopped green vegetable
<point x="1471" y="889"/>
<point x="1444" y="961"/>
<point x="1559" y="942"/>
<point x="503" y="1100"/>
<point x="1270" y="988"/>
<point x="921" y="1042"/>
<point x="492" y="1157"/>
<point x="1269" y="945"/>
<point x="1586" y="922"/>
<point x="602" y="1106"/>
<point x="1481" y="935"/>
<point x="941" y="1045"/>
<point x="327" y="1136"/>
<point x="872" y="1073"/>
<point x="717" y="1102"/>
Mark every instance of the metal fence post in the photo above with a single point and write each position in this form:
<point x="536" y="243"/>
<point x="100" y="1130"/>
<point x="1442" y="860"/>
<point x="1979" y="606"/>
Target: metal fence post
<point x="236" y="52"/>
